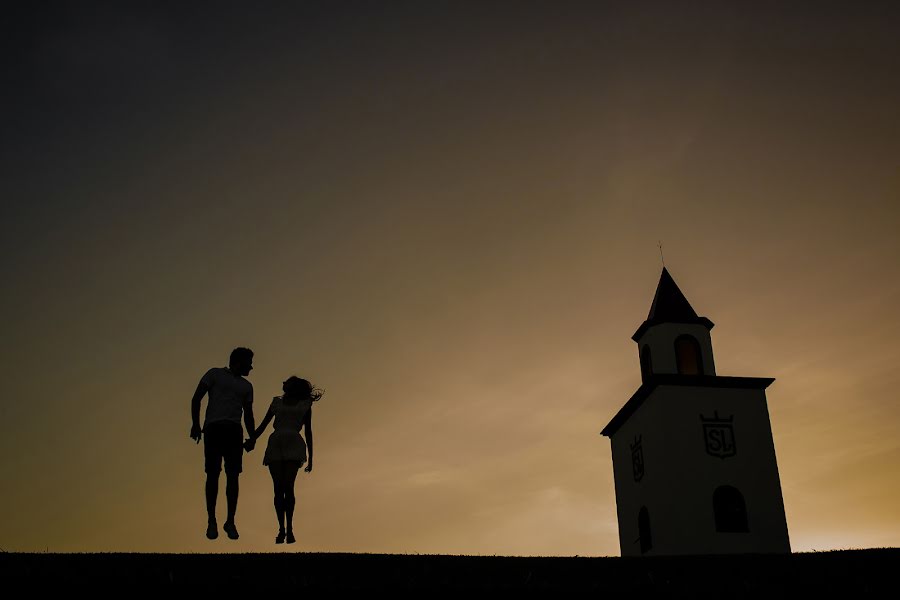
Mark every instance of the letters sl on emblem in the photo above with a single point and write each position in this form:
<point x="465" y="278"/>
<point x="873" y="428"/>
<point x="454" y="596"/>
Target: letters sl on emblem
<point x="637" y="459"/>
<point x="718" y="434"/>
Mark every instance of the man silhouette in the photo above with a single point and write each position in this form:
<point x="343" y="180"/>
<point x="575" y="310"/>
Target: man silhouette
<point x="229" y="395"/>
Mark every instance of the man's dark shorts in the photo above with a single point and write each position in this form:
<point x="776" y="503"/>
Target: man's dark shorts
<point x="223" y="440"/>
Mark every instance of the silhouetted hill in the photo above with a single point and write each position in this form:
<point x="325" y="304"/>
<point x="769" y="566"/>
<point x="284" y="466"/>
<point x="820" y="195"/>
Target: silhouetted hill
<point x="857" y="572"/>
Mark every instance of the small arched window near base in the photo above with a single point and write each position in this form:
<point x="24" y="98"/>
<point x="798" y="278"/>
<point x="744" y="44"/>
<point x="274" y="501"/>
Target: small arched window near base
<point x="646" y="363"/>
<point x="730" y="510"/>
<point x="687" y="355"/>
<point x="645" y="538"/>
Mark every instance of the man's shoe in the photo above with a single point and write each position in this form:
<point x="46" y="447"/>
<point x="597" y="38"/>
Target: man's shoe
<point x="212" y="531"/>
<point x="231" y="530"/>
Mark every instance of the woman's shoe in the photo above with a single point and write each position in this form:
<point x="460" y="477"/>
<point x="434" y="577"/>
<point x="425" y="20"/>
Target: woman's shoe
<point x="290" y="537"/>
<point x="279" y="539"/>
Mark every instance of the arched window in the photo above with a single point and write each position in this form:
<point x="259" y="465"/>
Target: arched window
<point x="687" y="356"/>
<point x="646" y="364"/>
<point x="644" y="530"/>
<point x="730" y="510"/>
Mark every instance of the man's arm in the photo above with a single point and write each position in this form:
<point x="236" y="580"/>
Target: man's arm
<point x="202" y="388"/>
<point x="249" y="421"/>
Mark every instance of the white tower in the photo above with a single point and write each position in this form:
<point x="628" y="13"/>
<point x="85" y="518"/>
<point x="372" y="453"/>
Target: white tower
<point x="693" y="455"/>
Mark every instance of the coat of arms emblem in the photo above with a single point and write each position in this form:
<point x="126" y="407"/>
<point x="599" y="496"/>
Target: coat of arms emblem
<point x="718" y="434"/>
<point x="637" y="459"/>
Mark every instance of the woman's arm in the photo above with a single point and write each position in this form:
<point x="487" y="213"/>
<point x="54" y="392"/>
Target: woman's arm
<point x="309" y="445"/>
<point x="264" y="424"/>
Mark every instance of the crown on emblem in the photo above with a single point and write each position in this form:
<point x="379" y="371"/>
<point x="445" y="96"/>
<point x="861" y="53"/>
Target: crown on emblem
<point x="716" y="418"/>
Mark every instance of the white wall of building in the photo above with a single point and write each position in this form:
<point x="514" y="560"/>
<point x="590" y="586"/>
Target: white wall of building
<point x="680" y="476"/>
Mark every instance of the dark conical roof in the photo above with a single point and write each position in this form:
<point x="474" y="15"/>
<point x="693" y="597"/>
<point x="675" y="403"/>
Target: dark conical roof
<point x="670" y="306"/>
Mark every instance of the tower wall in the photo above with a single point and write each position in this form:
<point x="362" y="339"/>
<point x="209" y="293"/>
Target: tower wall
<point x="680" y="475"/>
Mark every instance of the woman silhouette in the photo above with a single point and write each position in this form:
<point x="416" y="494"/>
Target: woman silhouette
<point x="286" y="452"/>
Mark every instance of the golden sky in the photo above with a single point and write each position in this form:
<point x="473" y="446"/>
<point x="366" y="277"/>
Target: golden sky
<point x="447" y="216"/>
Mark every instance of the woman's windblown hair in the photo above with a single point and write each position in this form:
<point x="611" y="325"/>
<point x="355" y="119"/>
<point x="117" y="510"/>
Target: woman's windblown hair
<point x="303" y="388"/>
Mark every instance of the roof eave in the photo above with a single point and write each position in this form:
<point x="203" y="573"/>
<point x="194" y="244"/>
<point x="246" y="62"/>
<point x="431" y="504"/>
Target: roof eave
<point x="649" y="323"/>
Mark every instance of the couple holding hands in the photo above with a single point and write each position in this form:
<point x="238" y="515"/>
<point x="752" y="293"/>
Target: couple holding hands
<point x="230" y="398"/>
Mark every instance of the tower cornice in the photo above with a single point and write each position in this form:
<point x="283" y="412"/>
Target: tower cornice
<point x="702" y="381"/>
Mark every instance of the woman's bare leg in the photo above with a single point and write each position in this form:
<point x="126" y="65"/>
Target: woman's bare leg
<point x="290" y="477"/>
<point x="276" y="471"/>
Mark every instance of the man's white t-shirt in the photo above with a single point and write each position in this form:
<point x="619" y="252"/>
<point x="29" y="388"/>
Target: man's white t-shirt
<point x="229" y="395"/>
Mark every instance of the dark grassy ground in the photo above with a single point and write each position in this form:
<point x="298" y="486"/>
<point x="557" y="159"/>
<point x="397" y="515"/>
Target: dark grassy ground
<point x="850" y="572"/>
